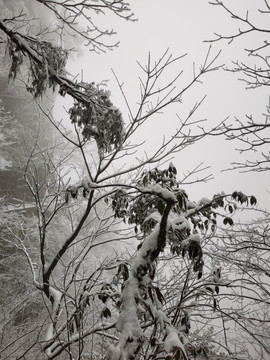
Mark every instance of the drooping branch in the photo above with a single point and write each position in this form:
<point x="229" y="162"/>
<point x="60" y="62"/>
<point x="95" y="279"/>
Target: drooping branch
<point x="29" y="48"/>
<point x="93" y="111"/>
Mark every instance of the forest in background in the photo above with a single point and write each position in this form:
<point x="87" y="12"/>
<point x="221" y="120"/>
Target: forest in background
<point x="103" y="253"/>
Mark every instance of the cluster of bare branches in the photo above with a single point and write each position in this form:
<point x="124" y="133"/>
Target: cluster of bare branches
<point x="251" y="133"/>
<point x="258" y="75"/>
<point x="76" y="19"/>
<point x="252" y="136"/>
<point x="72" y="13"/>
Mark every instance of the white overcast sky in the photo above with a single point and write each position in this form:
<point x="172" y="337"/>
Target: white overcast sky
<point x="182" y="26"/>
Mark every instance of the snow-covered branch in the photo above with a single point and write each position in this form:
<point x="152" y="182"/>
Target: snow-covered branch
<point x="131" y="338"/>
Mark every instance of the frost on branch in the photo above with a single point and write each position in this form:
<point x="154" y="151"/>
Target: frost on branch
<point x="55" y="298"/>
<point x="93" y="110"/>
<point x="163" y="215"/>
<point x="172" y="344"/>
<point x="99" y="119"/>
<point x="165" y="194"/>
<point x="139" y="284"/>
<point x="72" y="191"/>
<point x="131" y="338"/>
<point x="40" y="74"/>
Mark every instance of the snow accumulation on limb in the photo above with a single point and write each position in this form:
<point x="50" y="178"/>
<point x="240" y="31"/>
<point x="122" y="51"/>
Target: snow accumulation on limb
<point x="131" y="338"/>
<point x="158" y="190"/>
<point x="173" y="343"/>
<point x="55" y="298"/>
<point x="71" y="88"/>
<point x="131" y="335"/>
<point x="85" y="184"/>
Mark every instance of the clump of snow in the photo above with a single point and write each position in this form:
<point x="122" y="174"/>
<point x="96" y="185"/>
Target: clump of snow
<point x="149" y="243"/>
<point x="184" y="243"/>
<point x="173" y="342"/>
<point x="195" y="237"/>
<point x="177" y="222"/>
<point x="161" y="319"/>
<point x="191" y="204"/>
<point x="128" y="323"/>
<point x="56" y="296"/>
<point x="153" y="216"/>
<point x="166" y="194"/>
<point x="204" y="201"/>
<point x="193" y="207"/>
